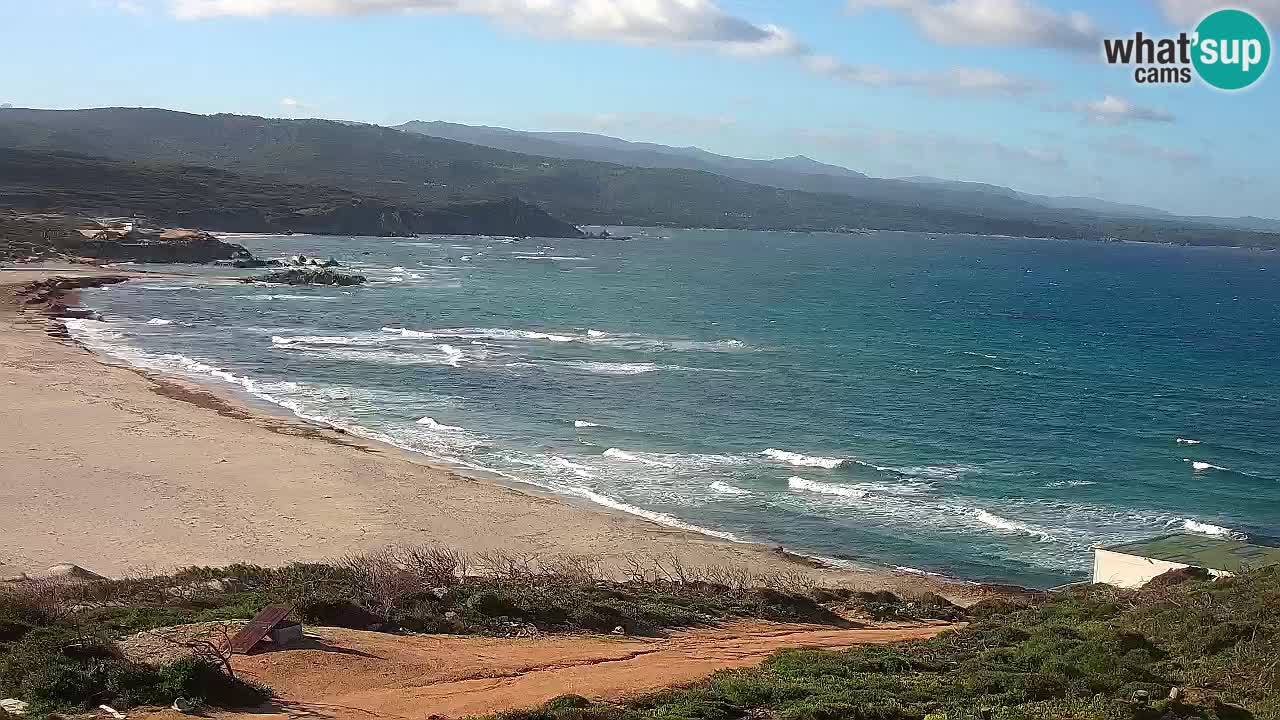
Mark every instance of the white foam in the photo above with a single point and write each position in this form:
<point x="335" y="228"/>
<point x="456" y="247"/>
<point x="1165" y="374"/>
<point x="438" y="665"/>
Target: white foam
<point x="1070" y="483"/>
<point x="800" y="460"/>
<point x="1013" y="526"/>
<point x="799" y="483"/>
<point x="285" y="297"/>
<point x="625" y="456"/>
<point x="639" y="343"/>
<point x="431" y="423"/>
<point x="1201" y="466"/>
<point x="1188" y="441"/>
<point x="917" y="571"/>
<point x="286" y="341"/>
<point x="657" y="517"/>
<point x="581" y="471"/>
<point x="452" y="355"/>
<point x="613" y="368"/>
<point x="584" y="424"/>
<point x="725" y="488"/>
<point x="1203" y="528"/>
<point x="159" y="321"/>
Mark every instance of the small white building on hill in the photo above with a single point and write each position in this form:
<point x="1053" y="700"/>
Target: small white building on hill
<point x="1133" y="564"/>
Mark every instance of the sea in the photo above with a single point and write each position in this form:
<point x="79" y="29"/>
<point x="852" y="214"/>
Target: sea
<point x="987" y="408"/>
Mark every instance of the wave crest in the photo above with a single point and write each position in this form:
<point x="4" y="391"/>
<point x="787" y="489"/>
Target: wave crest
<point x="799" y="460"/>
<point x="1012" y="526"/>
<point x="799" y="483"/>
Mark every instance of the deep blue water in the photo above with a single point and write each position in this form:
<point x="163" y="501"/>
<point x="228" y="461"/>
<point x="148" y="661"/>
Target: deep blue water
<point x="981" y="407"/>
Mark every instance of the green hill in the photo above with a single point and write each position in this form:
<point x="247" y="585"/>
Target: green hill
<point x="213" y="199"/>
<point x="420" y="172"/>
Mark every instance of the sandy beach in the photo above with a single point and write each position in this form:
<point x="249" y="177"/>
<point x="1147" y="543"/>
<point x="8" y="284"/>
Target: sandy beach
<point x="122" y="471"/>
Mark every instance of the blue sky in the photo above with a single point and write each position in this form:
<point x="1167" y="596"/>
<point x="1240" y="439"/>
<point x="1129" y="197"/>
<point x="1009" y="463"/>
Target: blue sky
<point x="1009" y="92"/>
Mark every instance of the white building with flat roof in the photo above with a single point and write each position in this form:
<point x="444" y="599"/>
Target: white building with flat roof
<point x="1132" y="565"/>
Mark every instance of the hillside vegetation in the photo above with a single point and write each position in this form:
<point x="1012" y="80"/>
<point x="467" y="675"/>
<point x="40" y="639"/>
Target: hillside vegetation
<point x="419" y="172"/>
<point x="214" y="199"/>
<point x="1198" y="650"/>
<point x="58" y="637"/>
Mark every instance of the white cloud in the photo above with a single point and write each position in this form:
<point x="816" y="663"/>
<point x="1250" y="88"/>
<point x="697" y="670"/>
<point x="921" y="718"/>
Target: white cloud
<point x="993" y="22"/>
<point x="953" y="81"/>
<point x="679" y="23"/>
<point x="294" y="103"/>
<point x="1189" y="12"/>
<point x="641" y="22"/>
<point x="1112" y="110"/>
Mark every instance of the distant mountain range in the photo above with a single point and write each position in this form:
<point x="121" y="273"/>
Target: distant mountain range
<point x="403" y="181"/>
<point x="800" y="173"/>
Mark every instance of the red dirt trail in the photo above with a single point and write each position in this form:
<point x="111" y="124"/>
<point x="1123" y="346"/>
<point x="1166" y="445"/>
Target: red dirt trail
<point x="349" y="674"/>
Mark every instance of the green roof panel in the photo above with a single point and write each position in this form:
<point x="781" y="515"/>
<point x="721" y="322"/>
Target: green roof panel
<point x="1202" y="551"/>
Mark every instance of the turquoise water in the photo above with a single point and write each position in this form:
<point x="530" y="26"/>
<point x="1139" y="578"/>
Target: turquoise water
<point x="980" y="407"/>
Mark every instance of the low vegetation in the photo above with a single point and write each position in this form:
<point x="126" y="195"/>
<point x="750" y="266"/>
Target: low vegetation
<point x="58" y="639"/>
<point x="1194" y="649"/>
<point x="57" y="659"/>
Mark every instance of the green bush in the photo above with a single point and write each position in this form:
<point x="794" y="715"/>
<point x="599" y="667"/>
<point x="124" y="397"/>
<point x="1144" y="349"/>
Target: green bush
<point x="1078" y="655"/>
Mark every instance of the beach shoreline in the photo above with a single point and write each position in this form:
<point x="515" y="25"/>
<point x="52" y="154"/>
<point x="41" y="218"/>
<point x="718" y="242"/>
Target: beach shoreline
<point x="123" y="470"/>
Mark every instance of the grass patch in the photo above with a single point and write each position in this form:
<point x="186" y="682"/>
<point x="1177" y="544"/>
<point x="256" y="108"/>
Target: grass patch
<point x="1079" y="655"/>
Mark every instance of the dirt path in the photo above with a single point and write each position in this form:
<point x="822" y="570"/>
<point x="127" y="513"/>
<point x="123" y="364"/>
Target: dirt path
<point x="351" y="674"/>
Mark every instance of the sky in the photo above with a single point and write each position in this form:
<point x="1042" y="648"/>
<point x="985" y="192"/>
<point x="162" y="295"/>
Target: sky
<point x="1009" y="92"/>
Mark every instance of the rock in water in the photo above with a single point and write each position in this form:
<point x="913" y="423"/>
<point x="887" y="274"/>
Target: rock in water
<point x="308" y="276"/>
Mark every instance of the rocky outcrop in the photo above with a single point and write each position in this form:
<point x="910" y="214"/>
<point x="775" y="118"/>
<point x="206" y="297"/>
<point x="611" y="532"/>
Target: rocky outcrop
<point x="51" y="296"/>
<point x="129" y="242"/>
<point x="34" y="236"/>
<point x="308" y="276"/>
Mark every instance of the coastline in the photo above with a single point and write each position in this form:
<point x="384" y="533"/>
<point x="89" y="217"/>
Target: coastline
<point x="120" y="469"/>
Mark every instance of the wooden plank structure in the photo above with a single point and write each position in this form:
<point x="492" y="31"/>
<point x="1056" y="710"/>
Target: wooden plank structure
<point x="258" y="628"/>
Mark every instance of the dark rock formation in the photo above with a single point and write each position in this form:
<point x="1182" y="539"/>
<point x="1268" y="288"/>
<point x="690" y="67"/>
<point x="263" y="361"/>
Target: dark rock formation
<point x="35" y="236"/>
<point x="51" y="296"/>
<point x="308" y="276"/>
<point x="136" y="244"/>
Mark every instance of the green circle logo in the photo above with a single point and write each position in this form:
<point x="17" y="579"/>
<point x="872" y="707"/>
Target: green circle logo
<point x="1232" y="49"/>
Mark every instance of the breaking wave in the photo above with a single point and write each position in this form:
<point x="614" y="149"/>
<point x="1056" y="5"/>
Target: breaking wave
<point x="651" y="515"/>
<point x="1013" y="526"/>
<point x="584" y="424"/>
<point x="159" y="321"/>
<point x="1204" y="528"/>
<point x="800" y="460"/>
<point x="1188" y="441"/>
<point x="1201" y="466"/>
<point x="625" y="456"/>
<point x="614" y="368"/>
<point x="263" y="297"/>
<point x="623" y="341"/>
<point x="799" y="483"/>
<point x="431" y="423"/>
<point x="724" y="488"/>
<point x="322" y="340"/>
